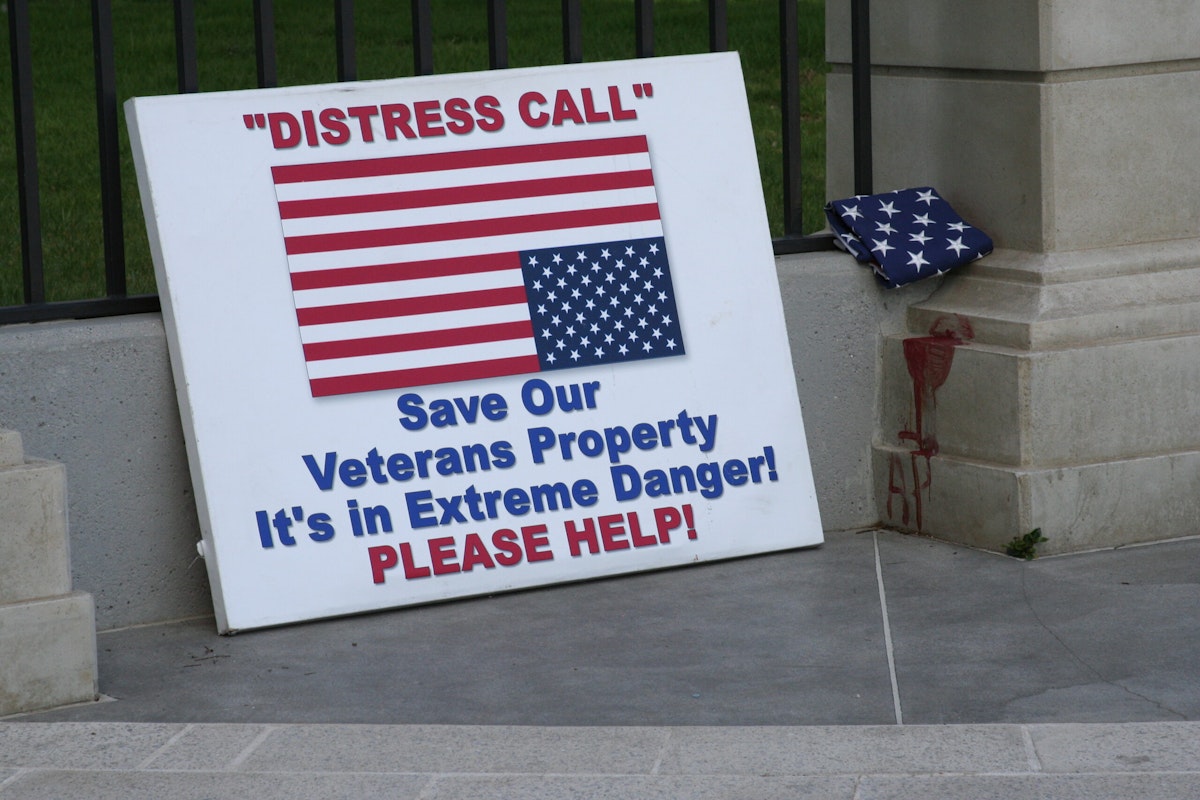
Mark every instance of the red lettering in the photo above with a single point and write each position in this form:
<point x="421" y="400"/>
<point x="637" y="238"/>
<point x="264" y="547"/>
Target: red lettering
<point x="310" y="128"/>
<point x="382" y="558"/>
<point x="505" y="541"/>
<point x="474" y="554"/>
<point x="575" y="537"/>
<point x="565" y="109"/>
<point x="363" y="114"/>
<point x="442" y="555"/>
<point x="589" y="108"/>
<point x="537" y="543"/>
<point x="411" y="570"/>
<point x="458" y="110"/>
<point x="612" y="528"/>
<point x="666" y="520"/>
<point x="635" y="532"/>
<point x="488" y="110"/>
<point x="336" y="131"/>
<point x="285" y="130"/>
<point x="429" y="118"/>
<point x="525" y="108"/>
<point x="395" y="117"/>
<point x="614" y="101"/>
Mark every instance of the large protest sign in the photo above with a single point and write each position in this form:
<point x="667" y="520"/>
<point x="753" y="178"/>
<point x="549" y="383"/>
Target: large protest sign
<point x="447" y="336"/>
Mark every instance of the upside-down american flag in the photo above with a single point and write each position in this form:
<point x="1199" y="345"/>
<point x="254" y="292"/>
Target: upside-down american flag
<point x="431" y="268"/>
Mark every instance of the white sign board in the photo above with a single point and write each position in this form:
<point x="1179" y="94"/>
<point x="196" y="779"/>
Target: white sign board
<point x="448" y="336"/>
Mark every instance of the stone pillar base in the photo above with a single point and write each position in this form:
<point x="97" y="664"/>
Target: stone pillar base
<point x="1059" y="392"/>
<point x="47" y="631"/>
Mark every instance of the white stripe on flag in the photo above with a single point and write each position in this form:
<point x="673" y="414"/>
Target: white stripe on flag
<point x="418" y="181"/>
<point x="363" y="365"/>
<point x="492" y="209"/>
<point x="420" y="323"/>
<point x="393" y="290"/>
<point x="368" y="256"/>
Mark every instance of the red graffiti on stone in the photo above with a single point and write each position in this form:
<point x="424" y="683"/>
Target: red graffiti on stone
<point x="929" y="359"/>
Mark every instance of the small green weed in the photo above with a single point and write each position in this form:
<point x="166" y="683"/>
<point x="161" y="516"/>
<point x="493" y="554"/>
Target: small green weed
<point x="1025" y="546"/>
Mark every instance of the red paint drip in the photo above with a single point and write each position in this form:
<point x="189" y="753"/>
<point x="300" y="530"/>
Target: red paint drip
<point x="929" y="359"/>
<point x="690" y="520"/>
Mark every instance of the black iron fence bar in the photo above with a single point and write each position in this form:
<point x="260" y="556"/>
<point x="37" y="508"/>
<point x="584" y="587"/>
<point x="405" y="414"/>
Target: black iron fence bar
<point x="497" y="34"/>
<point x="422" y="36"/>
<point x="343" y="31"/>
<point x="643" y="14"/>
<point x="26" y="142"/>
<point x="572" y="22"/>
<point x="860" y="58"/>
<point x="718" y="26"/>
<point x="110" y="149"/>
<point x="264" y="43"/>
<point x="789" y="103"/>
<point x="186" y="60"/>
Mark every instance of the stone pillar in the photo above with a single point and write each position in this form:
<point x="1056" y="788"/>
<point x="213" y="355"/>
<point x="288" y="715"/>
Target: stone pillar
<point x="1056" y="383"/>
<point x="47" y="632"/>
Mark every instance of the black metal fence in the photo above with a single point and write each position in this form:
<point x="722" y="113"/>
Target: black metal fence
<point x="117" y="300"/>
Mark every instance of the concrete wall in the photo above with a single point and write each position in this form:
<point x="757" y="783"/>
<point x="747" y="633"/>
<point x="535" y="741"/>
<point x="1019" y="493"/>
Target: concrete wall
<point x="98" y="397"/>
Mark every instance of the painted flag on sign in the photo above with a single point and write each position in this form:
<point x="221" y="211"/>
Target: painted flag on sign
<point x="433" y="268"/>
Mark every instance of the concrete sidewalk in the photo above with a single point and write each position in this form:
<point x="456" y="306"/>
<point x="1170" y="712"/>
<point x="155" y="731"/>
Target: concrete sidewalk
<point x="877" y="665"/>
<point x="193" y="761"/>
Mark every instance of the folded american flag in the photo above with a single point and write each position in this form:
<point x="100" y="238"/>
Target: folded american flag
<point x="905" y="235"/>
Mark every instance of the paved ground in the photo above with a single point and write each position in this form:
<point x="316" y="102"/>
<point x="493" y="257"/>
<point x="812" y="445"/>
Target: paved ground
<point x="876" y="665"/>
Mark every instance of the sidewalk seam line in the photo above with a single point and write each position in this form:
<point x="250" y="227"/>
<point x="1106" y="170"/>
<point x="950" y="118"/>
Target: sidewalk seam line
<point x="887" y="632"/>
<point x="662" y="752"/>
<point x="1035" y="763"/>
<point x="145" y="765"/>
<point x="249" y="749"/>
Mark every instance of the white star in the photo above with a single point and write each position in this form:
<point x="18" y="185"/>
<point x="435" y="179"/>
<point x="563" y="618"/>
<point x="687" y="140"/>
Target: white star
<point x="604" y="253"/>
<point x="882" y="246"/>
<point x="629" y="252"/>
<point x="958" y="226"/>
<point x="581" y="257"/>
<point x="541" y="309"/>
<point x="919" y="237"/>
<point x="917" y="260"/>
<point x="957" y="246"/>
<point x="889" y="209"/>
<point x="926" y="197"/>
<point x="574" y="355"/>
<point x="922" y="219"/>
<point x="653" y="249"/>
<point x="550" y="359"/>
<point x="557" y="259"/>
<point x="623" y="350"/>
<point x="646" y="346"/>
<point x="851" y="212"/>
<point x="671" y="344"/>
<point x="885" y="227"/>
<point x="533" y="261"/>
<point x="547" y="272"/>
<point x="599" y="352"/>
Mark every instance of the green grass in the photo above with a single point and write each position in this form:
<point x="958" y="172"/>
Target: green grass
<point x="64" y="96"/>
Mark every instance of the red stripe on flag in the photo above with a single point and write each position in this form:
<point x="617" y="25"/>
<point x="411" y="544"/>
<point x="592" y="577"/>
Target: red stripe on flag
<point x="425" y="340"/>
<point x="457" y="195"/>
<point x="380" y="309"/>
<point x="447" y="231"/>
<point x="434" y="162"/>
<point x="423" y="376"/>
<point x="410" y="270"/>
